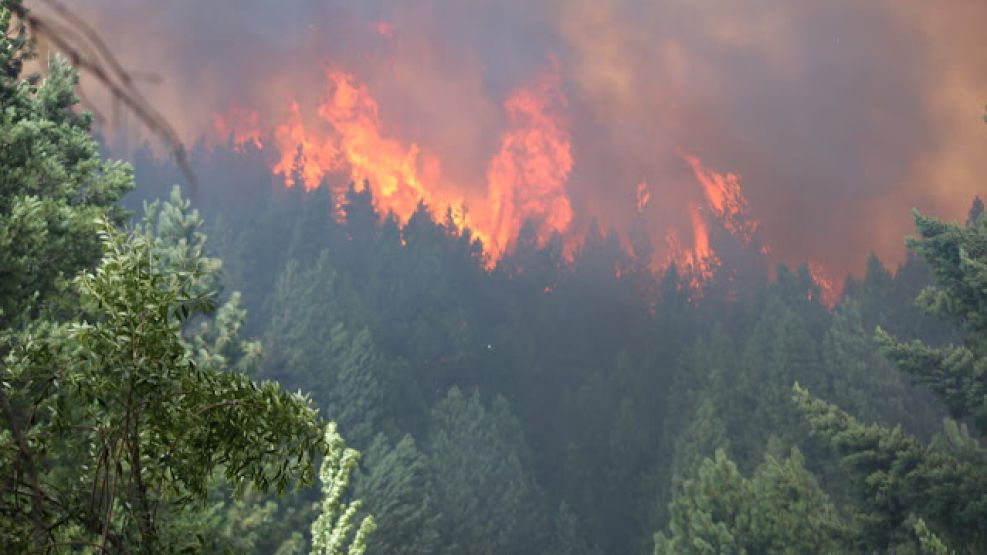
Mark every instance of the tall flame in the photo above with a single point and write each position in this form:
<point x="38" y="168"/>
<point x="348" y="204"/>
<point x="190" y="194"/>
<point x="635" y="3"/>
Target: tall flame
<point x="397" y="173"/>
<point x="698" y="262"/>
<point x="526" y="180"/>
<point x="725" y="198"/>
<point x="526" y="177"/>
<point x="303" y="153"/>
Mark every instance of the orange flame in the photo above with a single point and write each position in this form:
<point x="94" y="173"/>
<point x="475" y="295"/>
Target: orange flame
<point x="829" y="291"/>
<point x="239" y="123"/>
<point x="301" y="153"/>
<point x="397" y="174"/>
<point x="699" y="261"/>
<point x="725" y="198"/>
<point x="526" y="180"/>
<point x="526" y="177"/>
<point x="643" y="196"/>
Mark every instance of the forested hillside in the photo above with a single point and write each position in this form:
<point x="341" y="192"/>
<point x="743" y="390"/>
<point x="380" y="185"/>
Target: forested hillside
<point x="568" y="406"/>
<point x="548" y="402"/>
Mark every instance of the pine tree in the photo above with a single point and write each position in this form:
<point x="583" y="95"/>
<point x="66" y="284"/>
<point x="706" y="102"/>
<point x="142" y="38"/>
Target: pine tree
<point x="569" y="536"/>
<point x="110" y="427"/>
<point x="976" y="211"/>
<point x="899" y="478"/>
<point x="958" y="257"/>
<point x="753" y="400"/>
<point x="356" y="394"/>
<point x="780" y="509"/>
<point x="53" y="184"/>
<point x="398" y="490"/>
<point x="866" y="384"/>
<point x="481" y="483"/>
<point x="181" y="243"/>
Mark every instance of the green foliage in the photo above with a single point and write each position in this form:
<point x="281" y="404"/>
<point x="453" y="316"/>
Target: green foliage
<point x="53" y="185"/>
<point x="929" y="543"/>
<point x="331" y="530"/>
<point x="780" y="509"/>
<point x="568" y="537"/>
<point x="481" y="484"/>
<point x="943" y="483"/>
<point x="956" y="373"/>
<point x="180" y="243"/>
<point x="898" y="476"/>
<point x="249" y="523"/>
<point x="144" y="425"/>
<point x="398" y="490"/>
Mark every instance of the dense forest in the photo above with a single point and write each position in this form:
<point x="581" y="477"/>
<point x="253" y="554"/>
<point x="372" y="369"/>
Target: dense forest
<point x="151" y="337"/>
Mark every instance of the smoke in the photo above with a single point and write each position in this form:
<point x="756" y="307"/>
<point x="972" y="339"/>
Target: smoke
<point x="838" y="117"/>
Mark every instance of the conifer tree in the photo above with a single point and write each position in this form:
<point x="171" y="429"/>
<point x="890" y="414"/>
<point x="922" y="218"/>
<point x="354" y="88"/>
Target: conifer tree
<point x="482" y="487"/>
<point x="356" y="394"/>
<point x="53" y="184"/>
<point x="110" y="425"/>
<point x="778" y="510"/>
<point x="398" y="490"/>
<point x="180" y="242"/>
<point x="976" y="211"/>
<point x="944" y="483"/>
<point x="568" y="537"/>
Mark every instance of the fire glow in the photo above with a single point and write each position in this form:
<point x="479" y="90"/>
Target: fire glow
<point x="346" y="141"/>
<point x="668" y="94"/>
<point x="525" y="179"/>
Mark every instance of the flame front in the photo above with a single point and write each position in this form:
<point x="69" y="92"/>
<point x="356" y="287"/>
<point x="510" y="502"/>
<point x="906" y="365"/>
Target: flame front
<point x="396" y="173"/>
<point x="346" y="140"/>
<point x="696" y="263"/>
<point x="302" y="155"/>
<point x="725" y="198"/>
<point x="526" y="178"/>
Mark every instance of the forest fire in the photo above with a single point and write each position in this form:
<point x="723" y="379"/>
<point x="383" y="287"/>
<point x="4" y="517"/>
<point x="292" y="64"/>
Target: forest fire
<point x="526" y="178"/>
<point x="346" y="141"/>
<point x="698" y="261"/>
<point x="724" y="197"/>
<point x="239" y="124"/>
<point x="458" y="109"/>
<point x="829" y="289"/>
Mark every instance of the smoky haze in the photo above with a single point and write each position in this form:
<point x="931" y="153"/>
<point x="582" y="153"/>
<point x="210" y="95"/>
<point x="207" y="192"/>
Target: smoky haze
<point x="838" y="117"/>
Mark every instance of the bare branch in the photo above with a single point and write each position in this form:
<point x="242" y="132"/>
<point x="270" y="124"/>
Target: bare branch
<point x="89" y="53"/>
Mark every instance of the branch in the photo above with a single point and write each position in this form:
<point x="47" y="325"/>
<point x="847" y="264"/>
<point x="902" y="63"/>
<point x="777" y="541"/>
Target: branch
<point x="24" y="456"/>
<point x="89" y="53"/>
